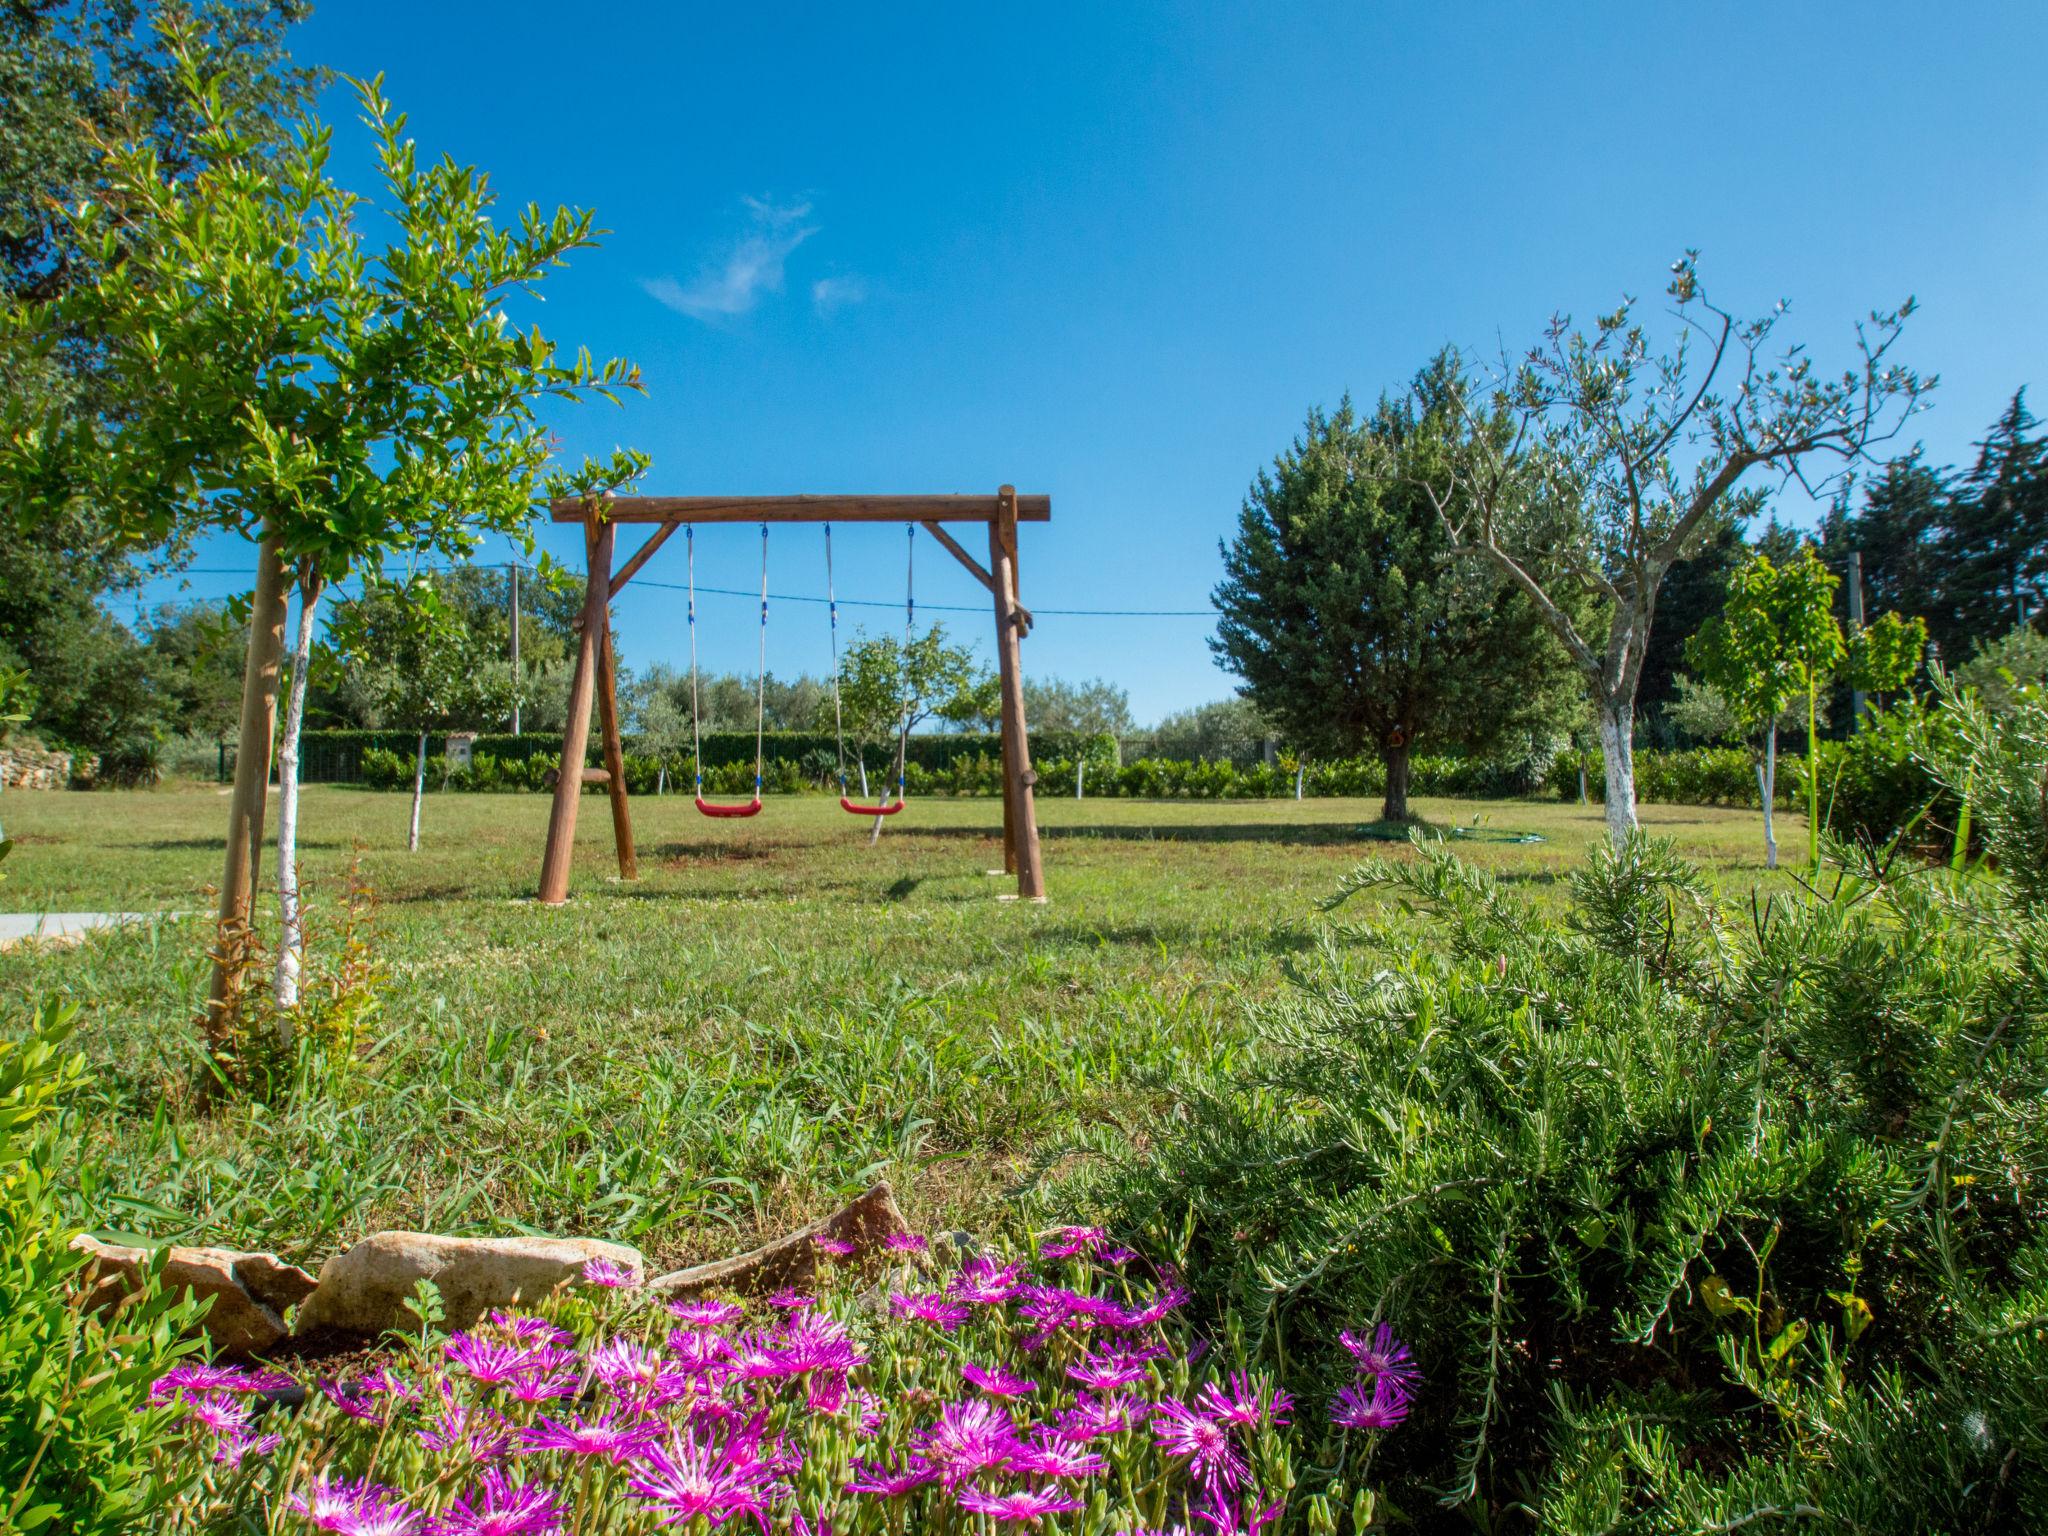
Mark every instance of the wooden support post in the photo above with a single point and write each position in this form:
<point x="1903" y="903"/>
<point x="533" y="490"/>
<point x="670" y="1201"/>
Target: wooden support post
<point x="1020" y="818"/>
<point x="554" y="866"/>
<point x="614" y="752"/>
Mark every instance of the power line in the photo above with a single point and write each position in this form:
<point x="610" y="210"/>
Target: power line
<point x="803" y="597"/>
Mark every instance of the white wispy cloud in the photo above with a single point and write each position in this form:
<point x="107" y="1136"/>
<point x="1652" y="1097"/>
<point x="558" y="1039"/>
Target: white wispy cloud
<point x="829" y="295"/>
<point x="752" y="265"/>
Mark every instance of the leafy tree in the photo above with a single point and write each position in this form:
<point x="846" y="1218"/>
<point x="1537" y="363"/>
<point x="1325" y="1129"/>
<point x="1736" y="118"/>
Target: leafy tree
<point x="1761" y="651"/>
<point x="1894" y="531"/>
<point x="1095" y="707"/>
<point x="1346" y="619"/>
<point x="887" y="689"/>
<point x="194" y="659"/>
<point x="1226" y="730"/>
<point x="420" y="664"/>
<point x="266" y="371"/>
<point x="2002" y="670"/>
<point x="1994" y="550"/>
<point x="1619" y="459"/>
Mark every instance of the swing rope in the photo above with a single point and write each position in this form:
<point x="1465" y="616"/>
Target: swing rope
<point x="846" y="803"/>
<point x="760" y="686"/>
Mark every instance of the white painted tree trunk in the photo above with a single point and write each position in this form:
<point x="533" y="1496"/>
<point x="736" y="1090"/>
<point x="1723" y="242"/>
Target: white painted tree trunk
<point x="1767" y="782"/>
<point x="1618" y="758"/>
<point x="419" y="789"/>
<point x="291" y="936"/>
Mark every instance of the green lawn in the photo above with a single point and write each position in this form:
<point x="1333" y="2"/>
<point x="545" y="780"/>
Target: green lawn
<point x="772" y="1016"/>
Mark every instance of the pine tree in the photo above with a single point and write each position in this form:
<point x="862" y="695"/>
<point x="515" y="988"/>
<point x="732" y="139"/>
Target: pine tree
<point x="1994" y="552"/>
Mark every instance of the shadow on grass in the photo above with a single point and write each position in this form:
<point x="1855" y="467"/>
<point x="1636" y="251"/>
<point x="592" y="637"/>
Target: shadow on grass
<point x="1312" y="834"/>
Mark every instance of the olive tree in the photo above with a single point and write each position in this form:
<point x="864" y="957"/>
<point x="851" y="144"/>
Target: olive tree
<point x="273" y="373"/>
<point x="1626" y="452"/>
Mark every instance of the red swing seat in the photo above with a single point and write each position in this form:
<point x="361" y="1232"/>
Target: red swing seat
<point x="751" y="808"/>
<point x="855" y="808"/>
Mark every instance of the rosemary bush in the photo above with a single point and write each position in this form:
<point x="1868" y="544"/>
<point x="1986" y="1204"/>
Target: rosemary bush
<point x="1698" y="1218"/>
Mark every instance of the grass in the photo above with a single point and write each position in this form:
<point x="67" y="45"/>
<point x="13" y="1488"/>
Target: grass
<point x="771" y="1017"/>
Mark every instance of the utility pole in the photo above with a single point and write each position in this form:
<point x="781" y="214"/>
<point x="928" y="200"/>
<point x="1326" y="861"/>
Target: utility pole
<point x="515" y="648"/>
<point x="1855" y="629"/>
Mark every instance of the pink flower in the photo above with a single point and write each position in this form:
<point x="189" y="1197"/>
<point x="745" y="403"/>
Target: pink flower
<point x="370" y="1396"/>
<point x="906" y="1242"/>
<point x="1095" y="1417"/>
<point x="531" y="1330"/>
<point x="495" y="1362"/>
<point x="985" y="1281"/>
<point x="543" y="1382"/>
<point x="1382" y="1406"/>
<point x="1031" y="1504"/>
<point x="687" y="1477"/>
<point x="996" y="1381"/>
<point x="195" y="1378"/>
<point x="1051" y="1455"/>
<point x="968" y="1438"/>
<point x="697" y="1349"/>
<point x="1224" y="1518"/>
<point x="936" y="1309"/>
<point x="1170" y="1297"/>
<point x="706" y="1314"/>
<point x="502" y="1508"/>
<point x="354" y="1509"/>
<point x="616" y="1437"/>
<point x="1212" y="1456"/>
<point x="1383" y="1355"/>
<point x="475" y="1433"/>
<point x="610" y="1274"/>
<point x="1248" y="1404"/>
<point x="790" y="1300"/>
<point x="1117" y="1257"/>
<point x="890" y="1482"/>
<point x="223" y="1415"/>
<point x="838" y="1247"/>
<point x="231" y="1449"/>
<point x="1073" y="1241"/>
<point x="637" y="1375"/>
<point x="1106" y="1372"/>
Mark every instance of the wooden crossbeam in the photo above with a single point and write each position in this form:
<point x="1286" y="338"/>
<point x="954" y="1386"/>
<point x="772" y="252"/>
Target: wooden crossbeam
<point x="805" y="509"/>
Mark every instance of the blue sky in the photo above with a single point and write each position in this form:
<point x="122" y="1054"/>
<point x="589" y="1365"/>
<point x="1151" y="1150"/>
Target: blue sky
<point x="1113" y="252"/>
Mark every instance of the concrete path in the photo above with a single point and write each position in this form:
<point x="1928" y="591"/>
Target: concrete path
<point x="68" y="927"/>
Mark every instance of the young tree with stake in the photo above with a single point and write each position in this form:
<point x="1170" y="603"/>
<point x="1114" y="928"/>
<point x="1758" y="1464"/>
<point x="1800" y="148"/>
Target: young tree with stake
<point x="272" y="374"/>
<point x="1621" y="459"/>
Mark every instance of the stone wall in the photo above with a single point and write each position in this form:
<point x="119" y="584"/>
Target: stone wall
<point x="23" y="769"/>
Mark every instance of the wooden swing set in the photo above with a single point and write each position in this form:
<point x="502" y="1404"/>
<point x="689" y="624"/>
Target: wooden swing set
<point x="596" y="670"/>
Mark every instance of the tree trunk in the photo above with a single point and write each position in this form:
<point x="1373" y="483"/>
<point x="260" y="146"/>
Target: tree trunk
<point x="1395" y="807"/>
<point x="291" y="929"/>
<point x="252" y="783"/>
<point x="1618" y="758"/>
<point x="1767" y="782"/>
<point x="419" y="789"/>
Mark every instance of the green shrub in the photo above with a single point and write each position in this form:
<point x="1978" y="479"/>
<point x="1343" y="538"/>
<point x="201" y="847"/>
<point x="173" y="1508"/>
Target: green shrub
<point x="1696" y="1217"/>
<point x="1878" y="784"/>
<point x="75" y="1427"/>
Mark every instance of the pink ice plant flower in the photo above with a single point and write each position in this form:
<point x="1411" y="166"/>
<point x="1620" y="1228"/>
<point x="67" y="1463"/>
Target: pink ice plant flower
<point x="838" y="1247"/>
<point x="195" y="1377"/>
<point x="354" y="1509"/>
<point x="1248" y="1404"/>
<point x="476" y="1433"/>
<point x="611" y="1435"/>
<point x="370" y="1396"/>
<point x="986" y="1280"/>
<point x="706" y="1314"/>
<point x="232" y="1450"/>
<point x="907" y="1242"/>
<point x="496" y="1363"/>
<point x="1029" y="1504"/>
<point x="1051" y="1455"/>
<point x="1073" y="1242"/>
<point x="1382" y="1355"/>
<point x="637" y="1375"/>
<point x="222" y="1414"/>
<point x="687" y="1478"/>
<point x="996" y="1381"/>
<point x="790" y="1299"/>
<point x="891" y="1482"/>
<point x="1106" y="1372"/>
<point x="1169" y="1298"/>
<point x="529" y="1329"/>
<point x="698" y="1349"/>
<point x="1117" y="1257"/>
<point x="968" y="1438"/>
<point x="501" y="1507"/>
<point x="610" y="1274"/>
<point x="941" y="1311"/>
<point x="1212" y="1455"/>
<point x="1381" y="1405"/>
<point x="1093" y="1418"/>
<point x="815" y="1342"/>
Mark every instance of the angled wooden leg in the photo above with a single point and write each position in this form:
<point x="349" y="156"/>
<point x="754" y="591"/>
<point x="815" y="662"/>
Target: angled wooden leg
<point x="614" y="753"/>
<point x="1020" y="809"/>
<point x="554" y="867"/>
